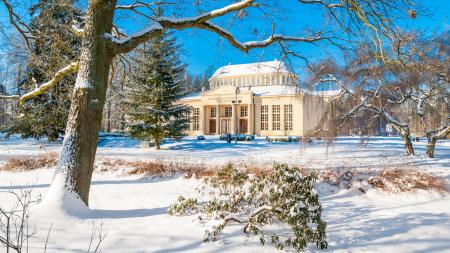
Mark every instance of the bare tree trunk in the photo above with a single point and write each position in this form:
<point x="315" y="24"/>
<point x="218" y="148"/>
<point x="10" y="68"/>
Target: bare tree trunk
<point x="158" y="144"/>
<point x="74" y="171"/>
<point x="431" y="144"/>
<point x="405" y="132"/>
<point x="108" y="120"/>
<point x="408" y="145"/>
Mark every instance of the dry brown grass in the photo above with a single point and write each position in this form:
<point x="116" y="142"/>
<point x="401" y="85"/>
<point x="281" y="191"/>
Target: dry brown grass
<point x="164" y="168"/>
<point x="30" y="163"/>
<point x="406" y="180"/>
<point x="390" y="180"/>
<point x="157" y="168"/>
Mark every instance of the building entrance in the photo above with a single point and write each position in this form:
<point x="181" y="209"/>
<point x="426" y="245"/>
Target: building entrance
<point x="225" y="126"/>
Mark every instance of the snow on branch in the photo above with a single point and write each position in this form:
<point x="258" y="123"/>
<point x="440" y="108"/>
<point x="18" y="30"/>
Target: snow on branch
<point x="78" y="31"/>
<point x="131" y="42"/>
<point x="71" y="68"/>
<point x="203" y="22"/>
<point x="128" y="43"/>
<point x="2" y="96"/>
<point x="218" y="12"/>
<point x="135" y="4"/>
<point x="329" y="6"/>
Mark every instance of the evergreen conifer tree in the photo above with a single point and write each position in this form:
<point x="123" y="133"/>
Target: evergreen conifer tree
<point x="155" y="86"/>
<point x="55" y="45"/>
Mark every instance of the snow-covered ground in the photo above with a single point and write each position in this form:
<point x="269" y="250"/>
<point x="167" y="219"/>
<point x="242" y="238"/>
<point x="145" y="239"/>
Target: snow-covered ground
<point x="133" y="209"/>
<point x="342" y="152"/>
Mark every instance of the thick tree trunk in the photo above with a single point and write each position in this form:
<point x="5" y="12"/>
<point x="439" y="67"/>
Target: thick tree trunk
<point x="405" y="132"/>
<point x="74" y="171"/>
<point x="431" y="144"/>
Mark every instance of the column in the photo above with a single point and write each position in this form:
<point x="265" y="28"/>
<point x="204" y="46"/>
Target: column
<point x="217" y="119"/>
<point x="233" y="118"/>
<point x="251" y="118"/>
<point x="202" y="120"/>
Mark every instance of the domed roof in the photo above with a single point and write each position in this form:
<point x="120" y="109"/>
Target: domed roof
<point x="251" y="69"/>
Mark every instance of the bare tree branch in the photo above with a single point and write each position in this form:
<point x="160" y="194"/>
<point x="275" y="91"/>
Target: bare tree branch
<point x="135" y="4"/>
<point x="202" y="22"/>
<point x="17" y="23"/>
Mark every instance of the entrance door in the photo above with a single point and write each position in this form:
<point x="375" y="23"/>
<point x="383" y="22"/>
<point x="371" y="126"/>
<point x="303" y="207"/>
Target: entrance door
<point x="212" y="126"/>
<point x="225" y="126"/>
<point x="242" y="126"/>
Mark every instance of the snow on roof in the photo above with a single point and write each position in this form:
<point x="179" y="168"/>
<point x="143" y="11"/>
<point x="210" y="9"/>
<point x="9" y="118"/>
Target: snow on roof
<point x="274" y="90"/>
<point x="192" y="96"/>
<point x="325" y="92"/>
<point x="279" y="90"/>
<point x="251" y="68"/>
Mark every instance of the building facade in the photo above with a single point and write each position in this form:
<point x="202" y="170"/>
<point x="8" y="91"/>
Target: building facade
<point x="260" y="99"/>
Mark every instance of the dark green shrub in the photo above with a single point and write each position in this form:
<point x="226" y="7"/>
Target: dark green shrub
<point x="279" y="196"/>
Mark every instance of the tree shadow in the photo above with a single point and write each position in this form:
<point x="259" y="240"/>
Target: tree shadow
<point x="353" y="227"/>
<point x="95" y="182"/>
<point x="128" y="213"/>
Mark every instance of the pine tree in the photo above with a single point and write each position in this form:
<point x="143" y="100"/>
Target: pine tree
<point x="155" y="86"/>
<point x="55" y="45"/>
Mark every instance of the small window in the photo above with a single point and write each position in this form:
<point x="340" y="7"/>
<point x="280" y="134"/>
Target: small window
<point x="213" y="112"/>
<point x="228" y="111"/>
<point x="244" y="111"/>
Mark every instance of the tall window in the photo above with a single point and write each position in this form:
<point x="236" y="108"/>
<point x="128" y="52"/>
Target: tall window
<point x="195" y="119"/>
<point x="228" y="111"/>
<point x="187" y="116"/>
<point x="244" y="111"/>
<point x="213" y="112"/>
<point x="288" y="117"/>
<point x="264" y="117"/>
<point x="276" y="117"/>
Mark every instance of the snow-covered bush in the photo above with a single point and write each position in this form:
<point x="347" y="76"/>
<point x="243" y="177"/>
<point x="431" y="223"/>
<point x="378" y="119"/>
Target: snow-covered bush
<point x="278" y="198"/>
<point x="283" y="138"/>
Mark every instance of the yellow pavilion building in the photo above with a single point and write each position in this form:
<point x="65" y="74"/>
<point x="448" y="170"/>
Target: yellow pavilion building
<point x="262" y="99"/>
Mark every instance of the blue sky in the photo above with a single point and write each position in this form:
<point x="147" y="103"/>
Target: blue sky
<point x="203" y="49"/>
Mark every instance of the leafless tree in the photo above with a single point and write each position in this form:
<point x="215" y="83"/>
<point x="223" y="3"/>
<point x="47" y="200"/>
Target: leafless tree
<point x="366" y="91"/>
<point x="414" y="87"/>
<point x="14" y="227"/>
<point x="424" y="82"/>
